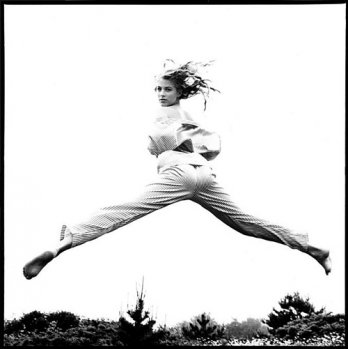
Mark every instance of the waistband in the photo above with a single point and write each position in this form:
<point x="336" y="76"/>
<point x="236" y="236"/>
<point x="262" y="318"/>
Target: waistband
<point x="173" y="157"/>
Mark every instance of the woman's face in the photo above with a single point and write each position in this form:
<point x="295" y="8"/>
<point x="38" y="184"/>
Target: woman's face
<point x="167" y="93"/>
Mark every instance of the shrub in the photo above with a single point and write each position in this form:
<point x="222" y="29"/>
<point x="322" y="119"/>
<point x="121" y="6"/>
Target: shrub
<point x="246" y="329"/>
<point x="64" y="319"/>
<point x="35" y="321"/>
<point x="203" y="326"/>
<point x="292" y="307"/>
<point x="13" y="326"/>
<point x="314" y="325"/>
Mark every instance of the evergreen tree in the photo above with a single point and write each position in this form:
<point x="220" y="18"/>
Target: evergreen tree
<point x="292" y="307"/>
<point x="203" y="326"/>
<point x="139" y="330"/>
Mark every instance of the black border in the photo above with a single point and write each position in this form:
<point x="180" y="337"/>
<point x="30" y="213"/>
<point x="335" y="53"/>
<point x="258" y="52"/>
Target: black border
<point x="95" y="2"/>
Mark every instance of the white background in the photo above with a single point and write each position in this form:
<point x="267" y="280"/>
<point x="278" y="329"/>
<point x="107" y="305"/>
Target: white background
<point x="79" y="95"/>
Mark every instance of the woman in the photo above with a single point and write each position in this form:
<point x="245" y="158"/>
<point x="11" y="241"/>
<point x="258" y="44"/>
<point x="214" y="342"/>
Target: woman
<point x="183" y="149"/>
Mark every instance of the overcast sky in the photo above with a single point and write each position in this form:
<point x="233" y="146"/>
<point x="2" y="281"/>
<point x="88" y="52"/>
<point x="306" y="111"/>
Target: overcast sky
<point x="79" y="96"/>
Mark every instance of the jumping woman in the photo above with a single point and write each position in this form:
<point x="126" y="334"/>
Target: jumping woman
<point x="184" y="150"/>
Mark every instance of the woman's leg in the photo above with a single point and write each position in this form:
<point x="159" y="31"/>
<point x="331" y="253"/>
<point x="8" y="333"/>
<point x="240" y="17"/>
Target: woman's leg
<point x="171" y="185"/>
<point x="215" y="199"/>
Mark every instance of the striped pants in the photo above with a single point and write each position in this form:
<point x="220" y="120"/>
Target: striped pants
<point x="176" y="183"/>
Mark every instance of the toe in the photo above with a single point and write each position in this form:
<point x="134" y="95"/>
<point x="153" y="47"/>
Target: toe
<point x="25" y="273"/>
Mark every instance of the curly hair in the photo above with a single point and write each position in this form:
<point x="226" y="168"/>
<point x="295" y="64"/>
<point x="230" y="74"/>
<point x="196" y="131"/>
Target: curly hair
<point x="187" y="79"/>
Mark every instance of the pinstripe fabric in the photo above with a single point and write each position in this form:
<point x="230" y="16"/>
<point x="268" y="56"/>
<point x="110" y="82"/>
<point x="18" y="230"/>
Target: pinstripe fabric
<point x="173" y="128"/>
<point x="182" y="175"/>
<point x="172" y="158"/>
<point x="184" y="182"/>
<point x="215" y="199"/>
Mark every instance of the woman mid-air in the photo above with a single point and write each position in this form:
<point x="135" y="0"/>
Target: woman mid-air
<point x="183" y="149"/>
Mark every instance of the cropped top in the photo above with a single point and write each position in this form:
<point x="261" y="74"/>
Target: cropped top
<point x="176" y="139"/>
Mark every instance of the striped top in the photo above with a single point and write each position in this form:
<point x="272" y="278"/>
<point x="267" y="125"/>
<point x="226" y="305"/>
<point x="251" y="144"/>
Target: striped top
<point x="175" y="139"/>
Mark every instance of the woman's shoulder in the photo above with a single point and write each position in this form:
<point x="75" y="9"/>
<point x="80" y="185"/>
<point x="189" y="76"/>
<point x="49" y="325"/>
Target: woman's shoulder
<point x="187" y="115"/>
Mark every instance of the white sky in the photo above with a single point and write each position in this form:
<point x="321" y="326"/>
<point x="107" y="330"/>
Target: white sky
<point x="79" y="96"/>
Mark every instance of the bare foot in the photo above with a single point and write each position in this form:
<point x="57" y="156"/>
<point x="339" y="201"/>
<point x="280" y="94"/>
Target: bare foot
<point x="325" y="262"/>
<point x="33" y="268"/>
<point x="322" y="257"/>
